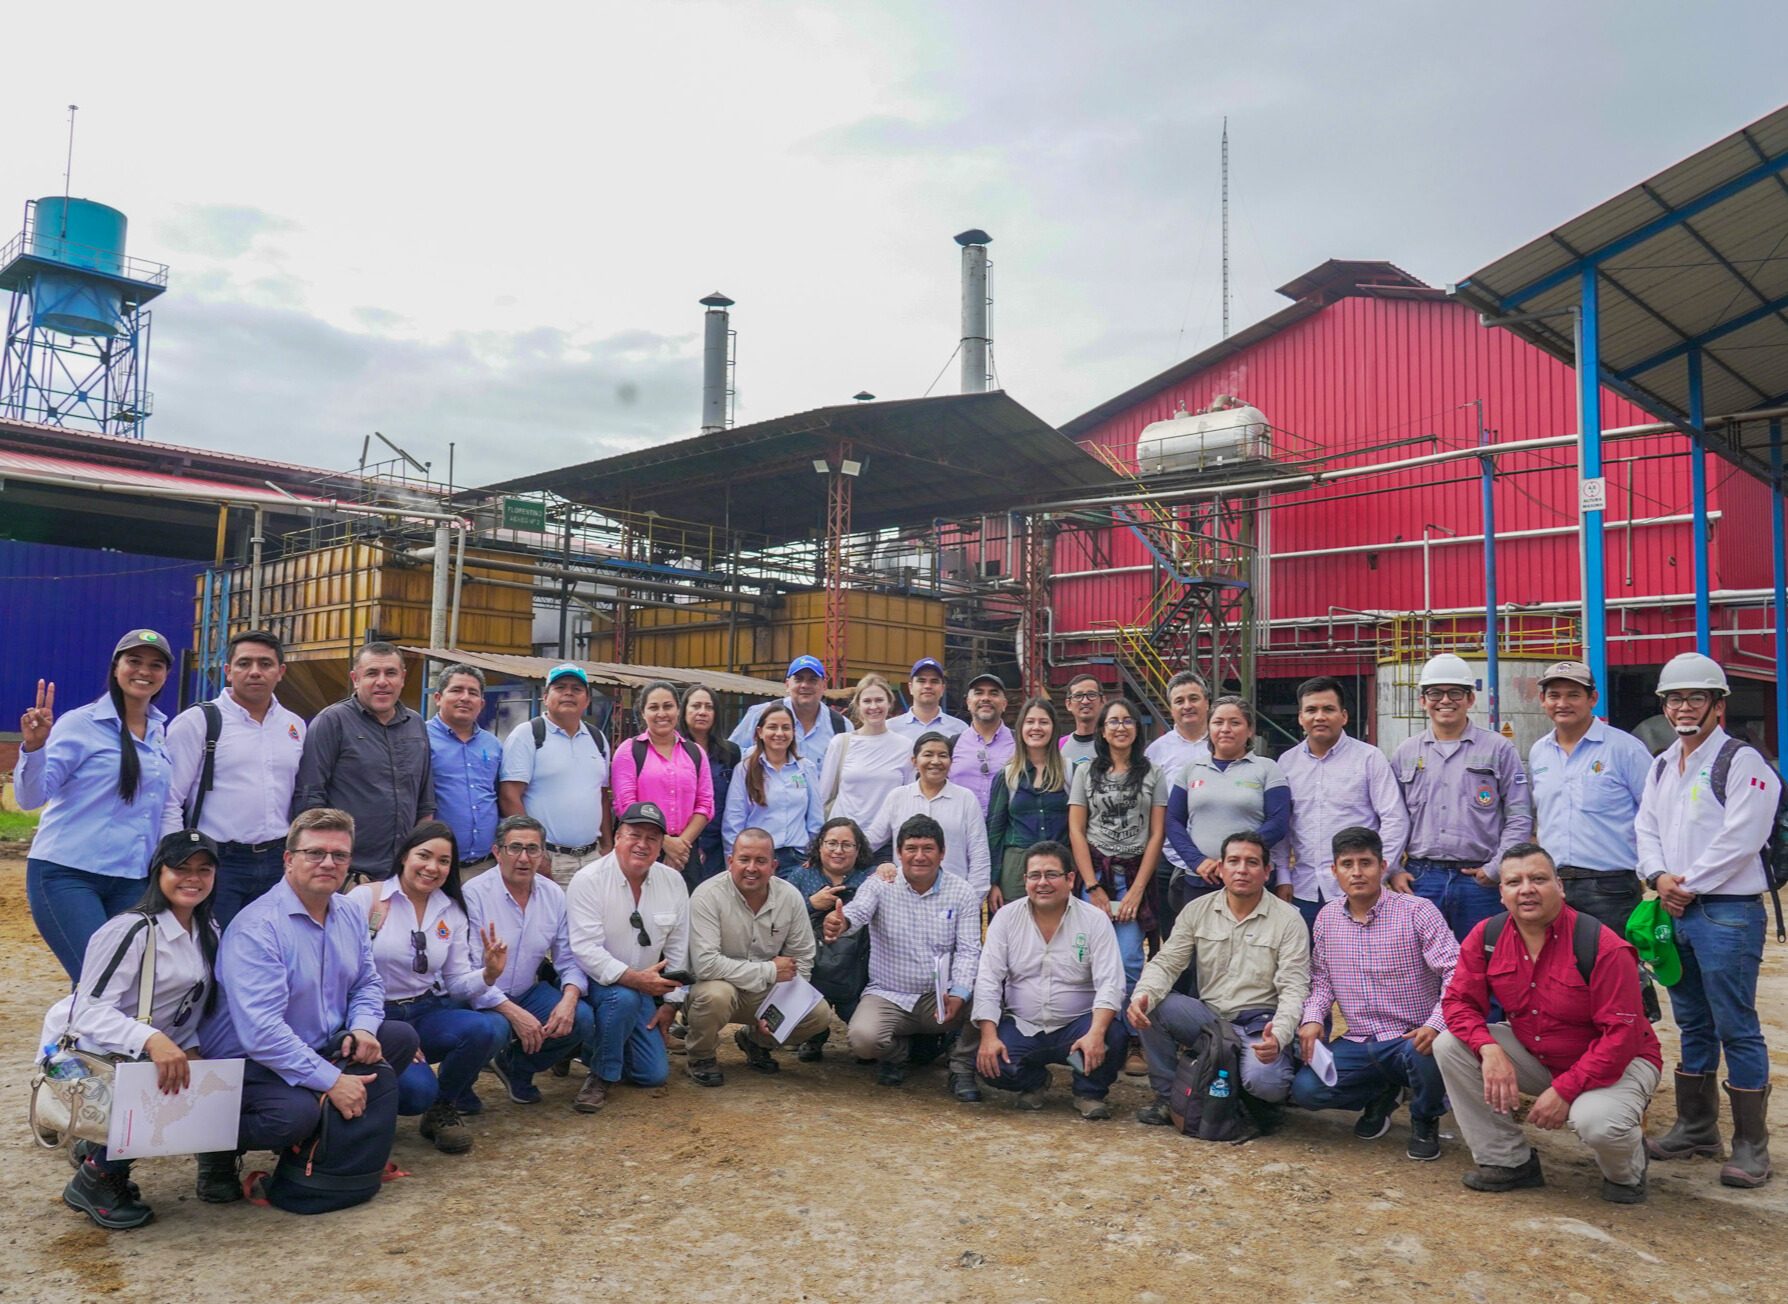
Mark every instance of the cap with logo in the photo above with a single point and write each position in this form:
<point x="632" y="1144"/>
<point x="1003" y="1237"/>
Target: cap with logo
<point x="143" y="638"/>
<point x="925" y="663"/>
<point x="806" y="662"/>
<point x="1573" y="671"/>
<point x="182" y="845"/>
<point x="644" y="812"/>
<point x="567" y="671"/>
<point x="1653" y="934"/>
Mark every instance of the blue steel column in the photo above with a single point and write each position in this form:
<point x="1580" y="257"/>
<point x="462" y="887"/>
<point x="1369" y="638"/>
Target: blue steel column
<point x="1589" y="459"/>
<point x="1493" y="672"/>
<point x="1779" y="552"/>
<point x="1698" y="498"/>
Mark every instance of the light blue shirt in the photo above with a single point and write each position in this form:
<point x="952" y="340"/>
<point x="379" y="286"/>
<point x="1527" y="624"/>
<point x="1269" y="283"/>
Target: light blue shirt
<point x="541" y="931"/>
<point x="86" y="824"/>
<point x="1586" y="804"/>
<point x="466" y="785"/>
<point x="911" y="727"/>
<point x="290" y="984"/>
<point x="811" y="743"/>
<point x="1350" y="784"/>
<point x="565" y="776"/>
<point x="792" y="811"/>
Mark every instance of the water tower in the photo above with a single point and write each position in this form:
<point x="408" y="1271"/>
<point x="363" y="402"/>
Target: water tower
<point x="77" y="333"/>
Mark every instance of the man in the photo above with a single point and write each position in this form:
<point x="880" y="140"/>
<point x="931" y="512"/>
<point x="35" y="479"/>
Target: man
<point x="951" y="805"/>
<point x="242" y="800"/>
<point x="748" y="931"/>
<point x="1252" y="953"/>
<point x="555" y="768"/>
<point x="1189" y="704"/>
<point x="300" y="989"/>
<point x="924" y="933"/>
<point x="465" y="760"/>
<point x="629" y="928"/>
<point x="369" y="756"/>
<point x="526" y="910"/>
<point x="1466" y="793"/>
<point x="1384" y="958"/>
<point x="1337" y="782"/>
<point x="1050" y="987"/>
<point x="815" y="722"/>
<point x="981" y="751"/>
<point x="1708" y="808"/>
<point x="1578" y="1043"/>
<point x="925" y="690"/>
<point x="1085" y="697"/>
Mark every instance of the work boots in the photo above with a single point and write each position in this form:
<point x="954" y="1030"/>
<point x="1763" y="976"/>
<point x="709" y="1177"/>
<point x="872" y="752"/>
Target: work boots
<point x="1749" y="1165"/>
<point x="1697" y="1127"/>
<point x="219" y="1179"/>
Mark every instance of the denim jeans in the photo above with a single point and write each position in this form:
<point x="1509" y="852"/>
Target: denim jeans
<point x="1365" y="1069"/>
<point x="1026" y="1068"/>
<point x="1309" y="910"/>
<point x="624" y="1045"/>
<point x="538" y="1001"/>
<point x="68" y="905"/>
<point x="461" y="1041"/>
<point x="243" y="875"/>
<point x="1721" y="945"/>
<point x="275" y="1114"/>
<point x="789" y="859"/>
<point x="1462" y="901"/>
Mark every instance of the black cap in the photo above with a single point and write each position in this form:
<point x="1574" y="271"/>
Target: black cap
<point x="644" y="812"/>
<point x="181" y="845"/>
<point x="988" y="677"/>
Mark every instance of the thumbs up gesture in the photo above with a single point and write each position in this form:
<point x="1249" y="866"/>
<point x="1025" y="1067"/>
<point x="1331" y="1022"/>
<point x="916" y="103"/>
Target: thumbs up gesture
<point x="1266" y="1050"/>
<point x="836" y="923"/>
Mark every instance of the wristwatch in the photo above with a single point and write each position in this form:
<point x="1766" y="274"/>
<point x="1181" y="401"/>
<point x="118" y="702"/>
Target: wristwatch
<point x="1651" y="880"/>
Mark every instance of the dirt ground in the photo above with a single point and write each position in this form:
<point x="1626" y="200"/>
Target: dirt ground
<point x="817" y="1185"/>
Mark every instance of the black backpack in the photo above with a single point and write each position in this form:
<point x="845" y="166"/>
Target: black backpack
<point x="539" y="728"/>
<point x="1775" y="847"/>
<point x="690" y="749"/>
<point x="342" y="1163"/>
<point x="207" y="770"/>
<point x="1194" y="1110"/>
<point x="1586" y="939"/>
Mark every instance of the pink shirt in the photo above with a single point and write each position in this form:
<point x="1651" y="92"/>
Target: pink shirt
<point x="679" y="786"/>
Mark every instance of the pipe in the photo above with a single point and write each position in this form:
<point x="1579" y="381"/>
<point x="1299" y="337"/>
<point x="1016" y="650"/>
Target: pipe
<point x="437" y="604"/>
<point x="1503" y="536"/>
<point x="283" y="499"/>
<point x="1698" y="500"/>
<point x="1778" y="537"/>
<point x="254" y="572"/>
<point x="974" y="343"/>
<point x="619" y="582"/>
<point x="715" y="332"/>
<point x="223" y="525"/>
<point x="1493" y="670"/>
<point x="459" y="584"/>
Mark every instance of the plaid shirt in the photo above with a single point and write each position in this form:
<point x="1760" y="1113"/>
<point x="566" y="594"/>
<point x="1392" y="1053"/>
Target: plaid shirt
<point x="1388" y="973"/>
<point x="907" y="929"/>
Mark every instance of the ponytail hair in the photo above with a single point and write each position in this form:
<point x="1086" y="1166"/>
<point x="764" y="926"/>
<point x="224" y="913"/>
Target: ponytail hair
<point x="130" y="766"/>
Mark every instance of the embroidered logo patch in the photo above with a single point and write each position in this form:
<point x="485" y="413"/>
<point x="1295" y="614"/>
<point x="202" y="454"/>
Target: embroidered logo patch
<point x="441" y="930"/>
<point x="292" y="732"/>
<point x="1485" y="798"/>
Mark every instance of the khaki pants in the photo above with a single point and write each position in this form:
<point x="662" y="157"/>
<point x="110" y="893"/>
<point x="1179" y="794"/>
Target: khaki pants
<point x="1608" y="1119"/>
<point x="565" y="866"/>
<point x="714" y="1005"/>
<point x="881" y="1030"/>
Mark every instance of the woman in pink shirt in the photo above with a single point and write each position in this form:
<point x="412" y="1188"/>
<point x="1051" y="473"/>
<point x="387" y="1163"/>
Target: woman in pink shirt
<point x="662" y="766"/>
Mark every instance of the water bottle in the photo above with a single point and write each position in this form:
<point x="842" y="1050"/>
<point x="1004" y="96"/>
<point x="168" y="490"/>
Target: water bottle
<point x="62" y="1066"/>
<point x="1220" y="1085"/>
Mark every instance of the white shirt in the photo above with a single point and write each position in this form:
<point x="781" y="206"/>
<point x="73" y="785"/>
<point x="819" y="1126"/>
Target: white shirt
<point x="565" y="778"/>
<point x="861" y="770"/>
<point x="256" y="767"/>
<point x="600" y="905"/>
<point x="1683" y="830"/>
<point x="1173" y="754"/>
<point x="106" y="1022"/>
<point x="958" y="811"/>
<point x="445" y="943"/>
<point x="912" y="728"/>
<point x="532" y="933"/>
<point x="1047" y="985"/>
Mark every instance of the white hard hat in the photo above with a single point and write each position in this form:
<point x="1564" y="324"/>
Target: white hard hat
<point x="1689" y="671"/>
<point x="1447" y="670"/>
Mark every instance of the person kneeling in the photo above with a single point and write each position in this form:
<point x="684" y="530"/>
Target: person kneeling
<point x="1049" y="989"/>
<point x="1576" y="1038"/>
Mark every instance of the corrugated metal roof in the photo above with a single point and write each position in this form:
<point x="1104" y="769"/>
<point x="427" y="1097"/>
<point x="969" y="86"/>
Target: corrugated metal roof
<point x="1695" y="257"/>
<point x="606" y="672"/>
<point x="100" y="475"/>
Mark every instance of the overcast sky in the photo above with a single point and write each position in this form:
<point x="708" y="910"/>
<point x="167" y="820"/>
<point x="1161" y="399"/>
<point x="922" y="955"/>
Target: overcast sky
<point x="490" y="224"/>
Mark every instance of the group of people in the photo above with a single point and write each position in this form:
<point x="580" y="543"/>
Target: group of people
<point x="373" y="887"/>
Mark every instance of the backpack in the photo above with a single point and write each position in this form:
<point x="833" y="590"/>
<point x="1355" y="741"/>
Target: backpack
<point x="342" y="1163"/>
<point x="1194" y="1110"/>
<point x="538" y="725"/>
<point x="1775" y="848"/>
<point x="208" y="768"/>
<point x="1586" y="939"/>
<point x="689" y="749"/>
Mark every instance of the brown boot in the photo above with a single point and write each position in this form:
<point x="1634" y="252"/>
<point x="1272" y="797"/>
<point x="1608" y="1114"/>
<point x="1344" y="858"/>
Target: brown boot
<point x="592" y="1096"/>
<point x="1749" y="1165"/>
<point x="1697" y="1127"/>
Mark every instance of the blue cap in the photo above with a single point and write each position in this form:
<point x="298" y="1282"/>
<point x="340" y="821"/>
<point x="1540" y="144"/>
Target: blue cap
<point x="561" y="671"/>
<point x="926" y="663"/>
<point x="801" y="663"/>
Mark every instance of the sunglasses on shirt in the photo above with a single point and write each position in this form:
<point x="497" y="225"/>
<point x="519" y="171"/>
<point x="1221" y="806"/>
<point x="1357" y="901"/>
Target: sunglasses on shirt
<point x="633" y="920"/>
<point x="419" y="944"/>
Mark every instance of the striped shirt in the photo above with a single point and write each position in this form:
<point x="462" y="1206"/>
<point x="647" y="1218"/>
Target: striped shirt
<point x="909" y="929"/>
<point x="1388" y="973"/>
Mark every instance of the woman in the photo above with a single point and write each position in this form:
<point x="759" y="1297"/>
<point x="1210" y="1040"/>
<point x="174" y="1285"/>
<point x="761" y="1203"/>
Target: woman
<point x="104" y="775"/>
<point x="173" y="916"/>
<point x="1229" y="791"/>
<point x="1031" y="804"/>
<point x="1116" y="824"/>
<point x="700" y="724"/>
<point x="775" y="790"/>
<point x="836" y="865"/>
<point x="417" y="919"/>
<point x="953" y="806"/>
<point x="863" y="767"/>
<point x="661" y="766"/>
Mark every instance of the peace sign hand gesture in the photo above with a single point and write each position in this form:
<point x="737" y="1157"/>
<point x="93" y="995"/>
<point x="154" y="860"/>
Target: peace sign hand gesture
<point x="35" y="724"/>
<point x="496" y="954"/>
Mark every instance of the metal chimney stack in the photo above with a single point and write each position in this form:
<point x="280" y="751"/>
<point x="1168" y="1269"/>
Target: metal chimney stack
<point x="716" y="335"/>
<point x="975" y="342"/>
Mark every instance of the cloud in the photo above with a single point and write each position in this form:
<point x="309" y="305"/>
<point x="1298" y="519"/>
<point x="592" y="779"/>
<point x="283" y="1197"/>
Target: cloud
<point x="221" y="231"/>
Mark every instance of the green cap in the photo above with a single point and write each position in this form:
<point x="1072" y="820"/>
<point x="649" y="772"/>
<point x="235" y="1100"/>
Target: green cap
<point x="1653" y="934"/>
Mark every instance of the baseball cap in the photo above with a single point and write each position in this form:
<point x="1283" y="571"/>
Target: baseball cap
<point x="143" y="638"/>
<point x="561" y="671"/>
<point x="181" y="845"/>
<point x="644" y="812"/>
<point x="1653" y="934"/>
<point x="926" y="663"/>
<point x="988" y="677"/>
<point x="1574" y="671"/>
<point x="806" y="662"/>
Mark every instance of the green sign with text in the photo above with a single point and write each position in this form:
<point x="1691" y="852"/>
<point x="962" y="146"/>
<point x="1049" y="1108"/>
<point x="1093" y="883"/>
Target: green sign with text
<point x="524" y="514"/>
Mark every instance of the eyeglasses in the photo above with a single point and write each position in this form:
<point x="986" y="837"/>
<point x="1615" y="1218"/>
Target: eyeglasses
<point x="1085" y="697"/>
<point x="1445" y="694"/>
<point x="1044" y="876"/>
<point x="419" y="944"/>
<point x="645" y="938"/>
<point x="520" y="849"/>
<point x="1674" y="700"/>
<point x="314" y="856"/>
<point x="1120" y="722"/>
<point x="839" y="844"/>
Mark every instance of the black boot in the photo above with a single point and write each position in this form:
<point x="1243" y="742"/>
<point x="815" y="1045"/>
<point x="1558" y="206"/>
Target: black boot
<point x="1749" y="1165"/>
<point x="1697" y="1127"/>
<point x="105" y="1195"/>
<point x="219" y="1180"/>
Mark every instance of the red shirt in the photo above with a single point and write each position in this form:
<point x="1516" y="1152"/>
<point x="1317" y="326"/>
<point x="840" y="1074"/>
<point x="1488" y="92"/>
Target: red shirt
<point x="1586" y="1035"/>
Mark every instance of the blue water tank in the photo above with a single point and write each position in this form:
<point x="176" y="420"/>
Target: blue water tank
<point x="79" y="234"/>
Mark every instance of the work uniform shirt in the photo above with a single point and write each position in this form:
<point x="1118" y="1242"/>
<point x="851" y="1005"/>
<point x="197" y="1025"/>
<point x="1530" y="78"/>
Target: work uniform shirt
<point x="1258" y="962"/>
<point x="533" y="932"/>
<point x="732" y="943"/>
<point x="910" y="930"/>
<point x="1215" y="798"/>
<point x="600" y="906"/>
<point x="810" y="741"/>
<point x="1350" y="785"/>
<point x="976" y="763"/>
<point x="1387" y="972"/>
<point x="682" y="786"/>
<point x="957" y="813"/>
<point x="790" y="813"/>
<point x="254" y="771"/>
<point x="565" y="777"/>
<point x="86" y="824"/>
<point x="444" y="944"/>
<point x="1584" y="1033"/>
<point x="465" y="773"/>
<point x="1047" y="985"/>
<point x="1683" y="829"/>
<point x="912" y="728"/>
<point x="1173" y="752"/>
<point x="1467" y="798"/>
<point x="1586" y="803"/>
<point x="380" y="773"/>
<point x="104" y="1021"/>
<point x="860" y="770"/>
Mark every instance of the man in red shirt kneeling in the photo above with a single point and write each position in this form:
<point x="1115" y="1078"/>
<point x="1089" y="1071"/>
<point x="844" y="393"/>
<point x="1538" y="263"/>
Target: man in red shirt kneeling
<point x="1576" y="1039"/>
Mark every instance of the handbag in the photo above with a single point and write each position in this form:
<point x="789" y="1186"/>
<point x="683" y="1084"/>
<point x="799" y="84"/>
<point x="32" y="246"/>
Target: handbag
<point x="71" y="1096"/>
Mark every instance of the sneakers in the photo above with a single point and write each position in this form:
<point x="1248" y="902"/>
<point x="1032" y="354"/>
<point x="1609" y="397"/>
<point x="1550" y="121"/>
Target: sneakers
<point x="521" y="1090"/>
<point x="443" y="1125"/>
<point x="1376" y="1121"/>
<point x="106" y="1197"/>
<point x="756" y="1057"/>
<point x="1092" y="1109"/>
<point x="218" y="1180"/>
<point x="1486" y="1177"/>
<point x="1424" y="1138"/>
<point x="890" y="1075"/>
<point x="1154" y="1114"/>
<point x="592" y="1096"/>
<point x="706" y="1073"/>
<point x="964" y="1088"/>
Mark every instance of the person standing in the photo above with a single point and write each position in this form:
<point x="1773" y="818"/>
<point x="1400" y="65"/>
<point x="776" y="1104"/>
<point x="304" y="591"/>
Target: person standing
<point x="369" y="756"/>
<point x="555" y="768"/>
<point x="862" y="767"/>
<point x="1466" y="793"/>
<point x="698" y="718"/>
<point x="1085" y="698"/>
<point x="775" y="789"/>
<point x="661" y="766"/>
<point x="982" y="750"/>
<point x="1232" y="790"/>
<point x="951" y="805"/>
<point x="816" y="724"/>
<point x="1708" y="809"/>
<point x="1030" y="800"/>
<point x="102" y="774"/>
<point x="1189" y="706"/>
<point x="925" y="689"/>
<point x="465" y="760"/>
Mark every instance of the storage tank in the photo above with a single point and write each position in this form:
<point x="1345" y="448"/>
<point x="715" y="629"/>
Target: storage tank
<point x="79" y="233"/>
<point x="1231" y="434"/>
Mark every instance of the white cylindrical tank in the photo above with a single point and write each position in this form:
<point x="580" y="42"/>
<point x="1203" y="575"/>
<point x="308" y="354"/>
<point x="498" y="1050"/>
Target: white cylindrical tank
<point x="1199" y="441"/>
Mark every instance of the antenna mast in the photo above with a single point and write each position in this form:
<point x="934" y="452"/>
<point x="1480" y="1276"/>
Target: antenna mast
<point x="1226" y="227"/>
<point x="68" y="168"/>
